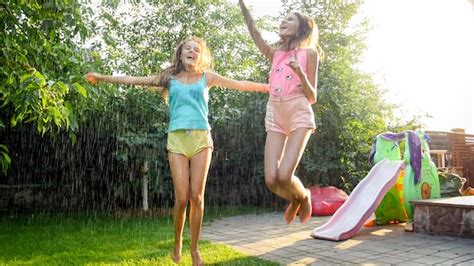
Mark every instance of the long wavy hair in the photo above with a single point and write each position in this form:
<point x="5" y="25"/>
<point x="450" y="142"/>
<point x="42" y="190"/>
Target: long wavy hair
<point x="205" y="62"/>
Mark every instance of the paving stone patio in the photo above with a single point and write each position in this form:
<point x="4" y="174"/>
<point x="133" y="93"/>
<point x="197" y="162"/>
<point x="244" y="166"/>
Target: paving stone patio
<point x="268" y="237"/>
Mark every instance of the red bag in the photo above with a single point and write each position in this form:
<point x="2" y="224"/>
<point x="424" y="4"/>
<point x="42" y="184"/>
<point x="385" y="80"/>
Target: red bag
<point x="326" y="200"/>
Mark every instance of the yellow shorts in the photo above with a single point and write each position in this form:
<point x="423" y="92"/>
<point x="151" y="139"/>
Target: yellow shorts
<point x="189" y="142"/>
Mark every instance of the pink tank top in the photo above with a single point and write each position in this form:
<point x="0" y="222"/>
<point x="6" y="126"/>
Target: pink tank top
<point x="283" y="81"/>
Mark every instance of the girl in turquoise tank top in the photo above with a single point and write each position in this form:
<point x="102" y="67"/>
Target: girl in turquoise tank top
<point x="289" y="120"/>
<point x="187" y="82"/>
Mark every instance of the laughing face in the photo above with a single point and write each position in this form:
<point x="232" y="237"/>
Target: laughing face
<point x="190" y="53"/>
<point x="289" y="26"/>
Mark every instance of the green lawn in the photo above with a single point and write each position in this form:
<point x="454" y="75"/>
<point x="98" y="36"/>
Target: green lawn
<point x="101" y="239"/>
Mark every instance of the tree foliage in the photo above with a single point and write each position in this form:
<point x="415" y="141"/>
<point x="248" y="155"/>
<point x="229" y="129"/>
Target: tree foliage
<point x="41" y="64"/>
<point x="44" y="58"/>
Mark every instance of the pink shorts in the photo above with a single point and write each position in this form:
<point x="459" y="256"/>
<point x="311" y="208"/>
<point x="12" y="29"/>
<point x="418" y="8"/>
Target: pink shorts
<point x="287" y="113"/>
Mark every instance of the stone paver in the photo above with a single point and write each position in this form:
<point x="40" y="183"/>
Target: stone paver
<point x="267" y="236"/>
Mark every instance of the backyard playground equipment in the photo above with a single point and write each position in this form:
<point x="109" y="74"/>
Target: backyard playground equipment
<point x="389" y="186"/>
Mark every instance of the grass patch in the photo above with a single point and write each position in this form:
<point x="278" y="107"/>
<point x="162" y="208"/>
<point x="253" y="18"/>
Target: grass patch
<point x="103" y="239"/>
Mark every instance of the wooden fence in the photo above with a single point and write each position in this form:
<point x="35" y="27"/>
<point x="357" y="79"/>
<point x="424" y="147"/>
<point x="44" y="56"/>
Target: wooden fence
<point x="453" y="150"/>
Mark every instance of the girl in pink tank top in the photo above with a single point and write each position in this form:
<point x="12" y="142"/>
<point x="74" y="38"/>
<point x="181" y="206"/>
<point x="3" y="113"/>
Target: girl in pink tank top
<point x="289" y="119"/>
<point x="283" y="80"/>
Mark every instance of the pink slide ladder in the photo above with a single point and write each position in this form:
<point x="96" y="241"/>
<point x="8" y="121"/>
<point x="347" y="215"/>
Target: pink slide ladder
<point x="364" y="199"/>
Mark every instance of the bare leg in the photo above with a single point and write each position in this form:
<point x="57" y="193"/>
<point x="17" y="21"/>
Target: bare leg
<point x="199" y="169"/>
<point x="295" y="146"/>
<point x="274" y="149"/>
<point x="179" y="166"/>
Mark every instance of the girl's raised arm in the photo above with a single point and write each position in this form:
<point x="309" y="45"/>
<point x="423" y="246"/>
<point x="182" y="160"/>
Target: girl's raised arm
<point x="264" y="48"/>
<point x="152" y="81"/>
<point x="214" y="79"/>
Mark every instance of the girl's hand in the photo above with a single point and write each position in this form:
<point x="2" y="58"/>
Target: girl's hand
<point x="295" y="66"/>
<point x="91" y="77"/>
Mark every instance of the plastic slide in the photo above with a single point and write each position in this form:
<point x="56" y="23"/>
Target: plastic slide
<point x="364" y="199"/>
<point x="392" y="207"/>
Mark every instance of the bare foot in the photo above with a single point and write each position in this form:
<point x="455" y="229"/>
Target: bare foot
<point x="291" y="211"/>
<point x="305" y="212"/>
<point x="197" y="261"/>
<point x="176" y="257"/>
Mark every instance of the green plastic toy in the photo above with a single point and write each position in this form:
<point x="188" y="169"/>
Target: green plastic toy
<point x="427" y="186"/>
<point x="418" y="181"/>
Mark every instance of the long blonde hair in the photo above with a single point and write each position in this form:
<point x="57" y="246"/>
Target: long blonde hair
<point x="205" y="62"/>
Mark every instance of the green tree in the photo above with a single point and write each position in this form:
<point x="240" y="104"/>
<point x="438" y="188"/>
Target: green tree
<point x="41" y="64"/>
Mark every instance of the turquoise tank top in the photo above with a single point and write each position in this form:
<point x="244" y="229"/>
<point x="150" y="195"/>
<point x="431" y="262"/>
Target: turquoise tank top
<point x="188" y="105"/>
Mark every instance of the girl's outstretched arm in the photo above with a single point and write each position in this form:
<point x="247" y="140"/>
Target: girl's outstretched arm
<point x="264" y="48"/>
<point x="214" y="79"/>
<point x="151" y="81"/>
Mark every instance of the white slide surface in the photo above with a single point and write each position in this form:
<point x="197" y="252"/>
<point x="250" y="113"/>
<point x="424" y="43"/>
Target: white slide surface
<point x="364" y="199"/>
